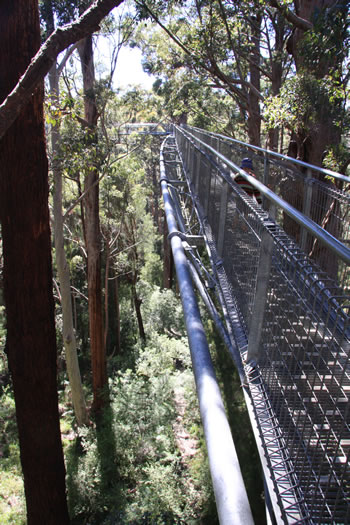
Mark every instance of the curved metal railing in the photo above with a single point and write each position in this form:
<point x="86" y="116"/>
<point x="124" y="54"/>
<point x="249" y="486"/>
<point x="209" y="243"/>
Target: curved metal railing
<point x="318" y="194"/>
<point x="288" y="327"/>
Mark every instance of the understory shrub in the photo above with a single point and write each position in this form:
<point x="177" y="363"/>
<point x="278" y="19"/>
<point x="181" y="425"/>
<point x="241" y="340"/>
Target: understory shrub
<point x="150" y="479"/>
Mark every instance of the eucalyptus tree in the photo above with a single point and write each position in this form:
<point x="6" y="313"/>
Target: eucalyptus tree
<point x="233" y="47"/>
<point x="41" y="63"/>
<point x="282" y="63"/>
<point x="313" y="102"/>
<point x="31" y="338"/>
<point x="27" y="276"/>
<point x="129" y="200"/>
<point x="69" y="338"/>
<point x="91" y="166"/>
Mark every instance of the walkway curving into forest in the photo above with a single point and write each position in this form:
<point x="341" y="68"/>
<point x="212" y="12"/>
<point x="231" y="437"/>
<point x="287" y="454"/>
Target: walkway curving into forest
<point x="275" y="278"/>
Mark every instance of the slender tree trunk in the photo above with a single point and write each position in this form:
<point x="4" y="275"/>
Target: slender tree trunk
<point x="108" y="260"/>
<point x="31" y="337"/>
<point x="69" y="339"/>
<point x="137" y="303"/>
<point x="117" y="310"/>
<point x="93" y="235"/>
<point x="276" y="72"/>
<point x="254" y="116"/>
<point x="324" y="132"/>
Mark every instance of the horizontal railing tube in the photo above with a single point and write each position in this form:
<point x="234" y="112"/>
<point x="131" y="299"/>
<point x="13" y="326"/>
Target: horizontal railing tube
<point x="230" y="494"/>
<point x="323" y="171"/>
<point x="317" y="231"/>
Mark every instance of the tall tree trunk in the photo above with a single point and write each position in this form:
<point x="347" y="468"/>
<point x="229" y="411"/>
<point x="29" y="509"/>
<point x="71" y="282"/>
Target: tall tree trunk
<point x="254" y="116"/>
<point x="93" y="235"/>
<point x="276" y="58"/>
<point x="69" y="339"/>
<point x="324" y="132"/>
<point x="168" y="263"/>
<point x="108" y="261"/>
<point x="117" y="316"/>
<point x="137" y="303"/>
<point x="31" y="338"/>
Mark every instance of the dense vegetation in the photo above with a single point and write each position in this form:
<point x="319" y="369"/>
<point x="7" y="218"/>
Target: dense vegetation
<point x="145" y="462"/>
<point x="262" y="71"/>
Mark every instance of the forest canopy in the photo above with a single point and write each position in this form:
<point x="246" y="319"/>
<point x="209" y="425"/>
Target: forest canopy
<point x="92" y="339"/>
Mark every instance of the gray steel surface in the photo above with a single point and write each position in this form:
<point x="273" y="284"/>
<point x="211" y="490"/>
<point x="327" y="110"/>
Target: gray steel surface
<point x="280" y="302"/>
<point x="319" y="194"/>
<point x="231" y="498"/>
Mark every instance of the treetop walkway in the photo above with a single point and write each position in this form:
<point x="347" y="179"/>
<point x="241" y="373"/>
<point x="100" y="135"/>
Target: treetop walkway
<point x="277" y="286"/>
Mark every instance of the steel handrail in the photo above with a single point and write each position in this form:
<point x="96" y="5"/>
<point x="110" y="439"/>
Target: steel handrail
<point x="230" y="494"/>
<point x="323" y="171"/>
<point x="312" y="227"/>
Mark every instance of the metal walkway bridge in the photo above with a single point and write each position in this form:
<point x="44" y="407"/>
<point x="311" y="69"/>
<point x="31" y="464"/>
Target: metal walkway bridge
<point x="278" y="288"/>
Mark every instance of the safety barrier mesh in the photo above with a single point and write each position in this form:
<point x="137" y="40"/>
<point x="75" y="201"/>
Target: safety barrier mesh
<point x="297" y="360"/>
<point x="322" y="198"/>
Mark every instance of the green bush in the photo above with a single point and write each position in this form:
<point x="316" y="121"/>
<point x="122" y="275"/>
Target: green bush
<point x="12" y="502"/>
<point x="153" y="482"/>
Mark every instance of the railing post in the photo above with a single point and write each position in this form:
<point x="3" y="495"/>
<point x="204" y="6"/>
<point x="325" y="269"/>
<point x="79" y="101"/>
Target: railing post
<point x="197" y="172"/>
<point x="306" y="206"/>
<point x="223" y="214"/>
<point x="268" y="206"/>
<point x="262" y="281"/>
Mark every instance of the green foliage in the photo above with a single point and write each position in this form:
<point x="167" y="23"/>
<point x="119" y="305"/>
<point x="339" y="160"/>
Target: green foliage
<point x="327" y="45"/>
<point x="337" y="158"/>
<point x="12" y="503"/>
<point x="162" y="310"/>
<point x="154" y="483"/>
<point x="302" y="101"/>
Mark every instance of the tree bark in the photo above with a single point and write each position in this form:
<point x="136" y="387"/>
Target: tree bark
<point x="93" y="235"/>
<point x="41" y="64"/>
<point x="137" y="303"/>
<point x="254" y="116"/>
<point x="276" y="59"/>
<point x="314" y="140"/>
<point x="108" y="261"/>
<point x="117" y="316"/>
<point x="31" y="338"/>
<point x="69" y="339"/>
<point x="324" y="132"/>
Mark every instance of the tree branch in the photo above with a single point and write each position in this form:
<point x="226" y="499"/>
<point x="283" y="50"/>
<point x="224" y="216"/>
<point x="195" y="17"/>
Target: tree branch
<point x="97" y="181"/>
<point x="64" y="60"/>
<point x="294" y="19"/>
<point x="42" y="62"/>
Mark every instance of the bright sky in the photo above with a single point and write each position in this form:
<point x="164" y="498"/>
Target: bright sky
<point x="129" y="69"/>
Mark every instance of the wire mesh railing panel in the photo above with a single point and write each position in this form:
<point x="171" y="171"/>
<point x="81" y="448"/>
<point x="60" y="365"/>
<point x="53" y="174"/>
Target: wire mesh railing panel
<point x="304" y="363"/>
<point x="299" y="376"/>
<point x="215" y="201"/>
<point x="241" y="253"/>
<point x="323" y="198"/>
